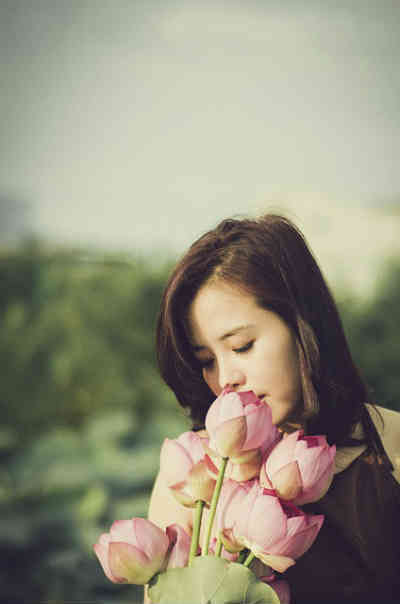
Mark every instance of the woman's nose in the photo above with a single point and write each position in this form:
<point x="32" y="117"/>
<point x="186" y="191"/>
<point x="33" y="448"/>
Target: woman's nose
<point x="234" y="379"/>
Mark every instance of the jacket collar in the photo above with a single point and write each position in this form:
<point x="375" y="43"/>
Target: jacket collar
<point x="389" y="433"/>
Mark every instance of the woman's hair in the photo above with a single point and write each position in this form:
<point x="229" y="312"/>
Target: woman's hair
<point x="267" y="257"/>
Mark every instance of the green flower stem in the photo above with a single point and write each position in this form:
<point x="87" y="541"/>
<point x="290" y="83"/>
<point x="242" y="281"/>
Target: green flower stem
<point x="213" y="506"/>
<point x="198" y="512"/>
<point x="249" y="559"/>
<point x="218" y="549"/>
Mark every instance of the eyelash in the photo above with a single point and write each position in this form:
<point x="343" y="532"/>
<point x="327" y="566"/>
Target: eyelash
<point x="244" y="348"/>
<point x="209" y="362"/>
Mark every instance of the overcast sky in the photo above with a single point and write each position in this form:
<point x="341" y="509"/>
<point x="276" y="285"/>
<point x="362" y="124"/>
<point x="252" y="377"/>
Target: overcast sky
<point x="140" y="124"/>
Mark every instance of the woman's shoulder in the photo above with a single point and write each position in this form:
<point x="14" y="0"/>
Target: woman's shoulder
<point x="387" y="423"/>
<point x="357" y="547"/>
<point x="363" y="502"/>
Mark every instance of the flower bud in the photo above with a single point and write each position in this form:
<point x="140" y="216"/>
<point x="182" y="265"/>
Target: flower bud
<point x="275" y="532"/>
<point x="133" y="551"/>
<point x="184" y="467"/>
<point x="300" y="468"/>
<point x="238" y="422"/>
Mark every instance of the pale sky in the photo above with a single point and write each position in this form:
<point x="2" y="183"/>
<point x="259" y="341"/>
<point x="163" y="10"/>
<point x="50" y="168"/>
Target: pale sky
<point x="140" y="124"/>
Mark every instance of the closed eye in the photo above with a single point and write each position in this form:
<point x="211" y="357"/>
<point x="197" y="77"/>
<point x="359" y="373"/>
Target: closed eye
<point x="208" y="363"/>
<point x="244" y="348"/>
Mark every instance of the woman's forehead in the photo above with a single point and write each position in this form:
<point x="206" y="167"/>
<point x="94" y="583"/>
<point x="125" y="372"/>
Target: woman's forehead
<point x="220" y="311"/>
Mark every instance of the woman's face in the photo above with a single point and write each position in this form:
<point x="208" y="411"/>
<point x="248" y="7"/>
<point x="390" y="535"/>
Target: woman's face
<point x="242" y="345"/>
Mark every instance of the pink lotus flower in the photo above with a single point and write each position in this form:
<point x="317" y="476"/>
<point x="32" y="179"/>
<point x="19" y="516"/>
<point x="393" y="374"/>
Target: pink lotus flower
<point x="179" y="546"/>
<point x="275" y="532"/>
<point x="246" y="467"/>
<point x="228" y="509"/>
<point x="238" y="422"/>
<point x="300" y="468"/>
<point x="133" y="551"/>
<point x="183" y="464"/>
<point x="242" y="468"/>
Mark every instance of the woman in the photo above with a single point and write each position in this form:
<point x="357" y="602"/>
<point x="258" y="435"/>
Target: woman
<point x="248" y="307"/>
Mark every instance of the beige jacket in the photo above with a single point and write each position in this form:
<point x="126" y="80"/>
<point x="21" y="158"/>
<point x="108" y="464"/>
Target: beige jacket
<point x="389" y="433"/>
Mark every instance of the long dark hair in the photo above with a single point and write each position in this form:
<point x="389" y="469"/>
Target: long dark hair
<point x="269" y="258"/>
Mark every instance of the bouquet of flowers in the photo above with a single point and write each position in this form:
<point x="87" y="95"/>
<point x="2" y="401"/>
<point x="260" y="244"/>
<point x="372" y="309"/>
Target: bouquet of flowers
<point x="251" y="480"/>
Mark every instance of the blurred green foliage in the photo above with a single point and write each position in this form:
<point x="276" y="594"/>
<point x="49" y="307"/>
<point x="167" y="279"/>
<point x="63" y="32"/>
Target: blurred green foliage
<point x="84" y="411"/>
<point x="76" y="338"/>
<point x="372" y="327"/>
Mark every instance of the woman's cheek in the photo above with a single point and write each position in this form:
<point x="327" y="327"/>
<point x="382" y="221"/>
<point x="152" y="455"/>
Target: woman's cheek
<point x="212" y="381"/>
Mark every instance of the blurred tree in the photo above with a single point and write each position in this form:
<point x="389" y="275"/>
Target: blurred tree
<point x="76" y="337"/>
<point x="373" y="329"/>
<point x="84" y="414"/>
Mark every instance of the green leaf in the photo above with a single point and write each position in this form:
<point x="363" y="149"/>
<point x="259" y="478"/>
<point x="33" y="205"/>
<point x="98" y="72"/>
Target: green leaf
<point x="210" y="580"/>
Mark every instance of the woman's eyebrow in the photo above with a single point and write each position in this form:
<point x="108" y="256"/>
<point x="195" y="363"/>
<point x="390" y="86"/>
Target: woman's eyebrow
<point x="226" y="335"/>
